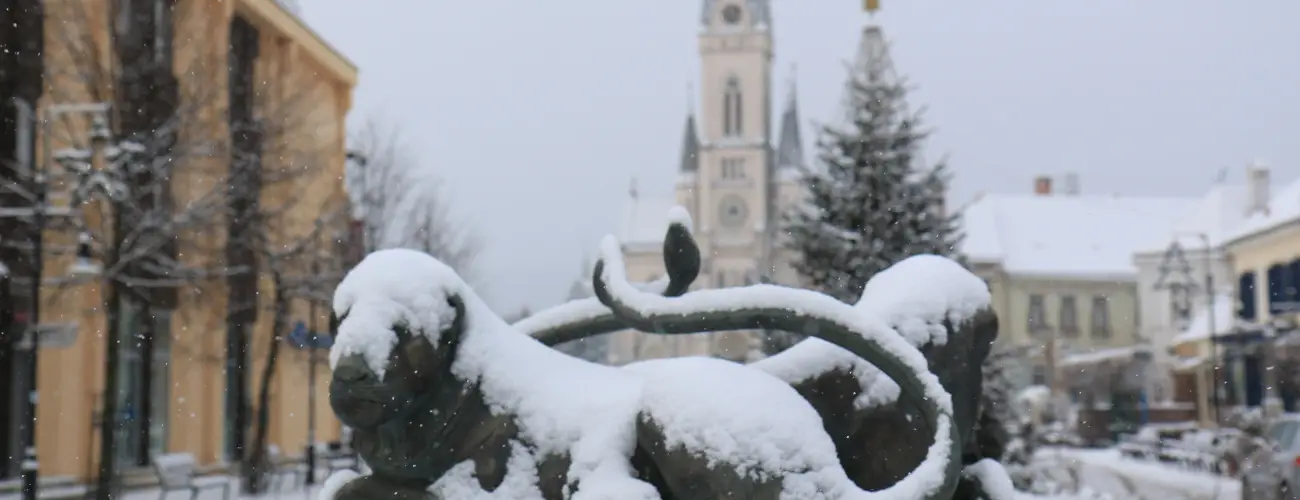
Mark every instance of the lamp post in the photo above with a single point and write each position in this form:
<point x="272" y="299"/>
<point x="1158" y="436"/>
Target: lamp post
<point x="31" y="464"/>
<point x="312" y="336"/>
<point x="1207" y="248"/>
<point x="362" y="162"/>
<point x="90" y="182"/>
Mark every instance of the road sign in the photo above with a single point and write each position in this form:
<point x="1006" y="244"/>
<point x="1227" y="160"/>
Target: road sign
<point x="302" y="338"/>
<point x="51" y="335"/>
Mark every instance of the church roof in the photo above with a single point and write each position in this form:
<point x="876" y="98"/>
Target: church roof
<point x="645" y="220"/>
<point x="789" y="151"/>
<point x="760" y="12"/>
<point x="690" y="147"/>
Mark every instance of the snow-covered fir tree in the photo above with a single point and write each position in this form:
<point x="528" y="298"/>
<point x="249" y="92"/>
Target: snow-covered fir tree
<point x="872" y="202"/>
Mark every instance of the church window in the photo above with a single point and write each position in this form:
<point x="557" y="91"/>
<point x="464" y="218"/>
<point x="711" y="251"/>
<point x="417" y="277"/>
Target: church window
<point x="731" y="106"/>
<point x="733" y="168"/>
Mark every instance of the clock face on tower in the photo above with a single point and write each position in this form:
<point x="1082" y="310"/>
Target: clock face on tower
<point x="732" y="212"/>
<point x="731" y="14"/>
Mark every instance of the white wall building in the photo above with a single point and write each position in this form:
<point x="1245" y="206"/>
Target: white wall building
<point x="734" y="178"/>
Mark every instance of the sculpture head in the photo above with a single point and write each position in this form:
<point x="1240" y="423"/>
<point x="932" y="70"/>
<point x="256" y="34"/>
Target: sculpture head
<point x="396" y="327"/>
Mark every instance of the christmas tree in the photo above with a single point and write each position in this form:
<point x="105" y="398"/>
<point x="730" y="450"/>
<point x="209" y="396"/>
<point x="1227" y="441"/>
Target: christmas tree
<point x="872" y="202"/>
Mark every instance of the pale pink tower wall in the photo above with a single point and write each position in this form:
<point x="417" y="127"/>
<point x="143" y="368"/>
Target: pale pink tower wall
<point x="733" y="179"/>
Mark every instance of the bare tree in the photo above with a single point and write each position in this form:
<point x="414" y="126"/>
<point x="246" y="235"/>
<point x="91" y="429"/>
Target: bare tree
<point x="156" y="192"/>
<point x="297" y="269"/>
<point x="403" y="206"/>
<point x="282" y="200"/>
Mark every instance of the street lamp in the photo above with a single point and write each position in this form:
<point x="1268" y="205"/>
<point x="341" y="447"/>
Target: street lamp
<point x="1207" y="248"/>
<point x="39" y="211"/>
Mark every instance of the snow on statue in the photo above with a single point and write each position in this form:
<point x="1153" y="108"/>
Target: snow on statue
<point x="448" y="401"/>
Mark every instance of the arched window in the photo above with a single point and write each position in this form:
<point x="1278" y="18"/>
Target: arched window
<point x="731" y="116"/>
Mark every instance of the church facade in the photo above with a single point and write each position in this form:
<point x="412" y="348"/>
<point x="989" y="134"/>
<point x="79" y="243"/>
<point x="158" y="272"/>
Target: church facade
<point x="736" y="177"/>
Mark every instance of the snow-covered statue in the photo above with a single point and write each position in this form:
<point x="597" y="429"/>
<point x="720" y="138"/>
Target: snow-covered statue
<point x="449" y="402"/>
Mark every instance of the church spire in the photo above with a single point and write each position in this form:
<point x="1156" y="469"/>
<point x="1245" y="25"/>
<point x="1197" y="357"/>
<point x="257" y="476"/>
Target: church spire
<point x="690" y="161"/>
<point x="789" y="152"/>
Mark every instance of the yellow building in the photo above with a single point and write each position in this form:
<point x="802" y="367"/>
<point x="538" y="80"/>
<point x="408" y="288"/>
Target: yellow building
<point x="1264" y="256"/>
<point x="236" y="58"/>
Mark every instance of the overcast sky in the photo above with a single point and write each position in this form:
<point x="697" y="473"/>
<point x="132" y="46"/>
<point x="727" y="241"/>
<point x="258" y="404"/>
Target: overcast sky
<point x="537" y="114"/>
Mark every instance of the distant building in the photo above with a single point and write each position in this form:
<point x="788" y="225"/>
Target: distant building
<point x="1060" y="268"/>
<point x="734" y="178"/>
<point x="1172" y="281"/>
<point x="260" y="54"/>
<point x="1263" y="252"/>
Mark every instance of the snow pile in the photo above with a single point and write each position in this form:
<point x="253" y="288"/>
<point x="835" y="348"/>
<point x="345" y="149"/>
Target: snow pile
<point x="736" y="416"/>
<point x="576" y="311"/>
<point x="930" y="474"/>
<point x="562" y="406"/>
<point x="519" y="484"/>
<point x="993" y="478"/>
<point x="915" y="296"/>
<point x="919" y="293"/>
<point x="679" y="215"/>
<point x="383" y="291"/>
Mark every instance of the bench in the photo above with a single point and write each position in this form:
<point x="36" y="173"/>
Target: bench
<point x="176" y="473"/>
<point x="284" y="469"/>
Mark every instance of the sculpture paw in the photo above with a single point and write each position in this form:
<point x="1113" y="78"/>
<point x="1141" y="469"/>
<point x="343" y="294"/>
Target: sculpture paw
<point x="335" y="483"/>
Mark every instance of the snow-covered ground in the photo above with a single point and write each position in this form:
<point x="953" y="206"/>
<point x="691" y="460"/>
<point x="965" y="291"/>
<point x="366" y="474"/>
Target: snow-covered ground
<point x="1098" y="474"/>
<point x="1106" y="472"/>
<point x="287" y="493"/>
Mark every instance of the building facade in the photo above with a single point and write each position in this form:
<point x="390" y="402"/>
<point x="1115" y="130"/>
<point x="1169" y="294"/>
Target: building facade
<point x="1178" y="274"/>
<point x="227" y="64"/>
<point x="1060" y="269"/>
<point x="1264" y="256"/>
<point x="735" y="177"/>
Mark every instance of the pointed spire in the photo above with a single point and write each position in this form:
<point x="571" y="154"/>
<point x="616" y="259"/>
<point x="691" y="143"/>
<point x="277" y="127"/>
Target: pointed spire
<point x="690" y="161"/>
<point x="789" y="152"/>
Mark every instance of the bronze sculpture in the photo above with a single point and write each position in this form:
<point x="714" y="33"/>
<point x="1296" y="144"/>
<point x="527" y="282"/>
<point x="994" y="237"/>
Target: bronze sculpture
<point x="432" y="420"/>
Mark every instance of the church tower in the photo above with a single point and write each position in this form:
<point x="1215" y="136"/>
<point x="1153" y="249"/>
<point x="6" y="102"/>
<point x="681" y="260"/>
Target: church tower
<point x="732" y="178"/>
<point x="728" y="191"/>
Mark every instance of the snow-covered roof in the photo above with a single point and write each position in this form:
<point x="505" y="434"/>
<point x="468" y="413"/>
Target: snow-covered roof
<point x="1218" y="213"/>
<point x="1101" y="356"/>
<point x="1198" y="328"/>
<point x="645" y="220"/>
<point x="1283" y="209"/>
<point x="1085" y="236"/>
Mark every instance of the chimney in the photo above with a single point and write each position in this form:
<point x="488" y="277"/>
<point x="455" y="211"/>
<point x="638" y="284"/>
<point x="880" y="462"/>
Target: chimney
<point x="1257" y="186"/>
<point x="1070" y="184"/>
<point x="1043" y="185"/>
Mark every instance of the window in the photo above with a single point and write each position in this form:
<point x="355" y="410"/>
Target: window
<point x="722" y="278"/>
<point x="1278" y="282"/>
<point x="1246" y="310"/>
<point x="1100" y="317"/>
<point x="1069" y="320"/>
<point x="1180" y="305"/>
<point x="1037" y="315"/>
<point x="1293" y="290"/>
<point x="143" y="400"/>
<point x="731" y="105"/>
<point x="733" y="169"/>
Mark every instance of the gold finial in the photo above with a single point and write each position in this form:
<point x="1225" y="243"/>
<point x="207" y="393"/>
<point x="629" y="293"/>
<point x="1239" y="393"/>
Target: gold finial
<point x="871" y="6"/>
